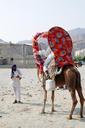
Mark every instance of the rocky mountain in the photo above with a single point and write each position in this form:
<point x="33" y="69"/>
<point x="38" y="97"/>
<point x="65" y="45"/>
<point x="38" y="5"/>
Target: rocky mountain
<point x="2" y="41"/>
<point x="78" y="37"/>
<point x="77" y="34"/>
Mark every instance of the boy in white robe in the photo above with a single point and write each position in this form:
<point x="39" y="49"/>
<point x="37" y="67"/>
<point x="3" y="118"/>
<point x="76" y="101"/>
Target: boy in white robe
<point x="16" y="77"/>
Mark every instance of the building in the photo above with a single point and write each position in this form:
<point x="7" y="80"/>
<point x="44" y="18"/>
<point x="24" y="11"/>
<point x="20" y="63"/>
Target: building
<point x="20" y="54"/>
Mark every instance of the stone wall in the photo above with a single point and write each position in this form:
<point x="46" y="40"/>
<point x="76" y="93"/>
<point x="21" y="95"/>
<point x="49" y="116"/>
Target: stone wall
<point x="19" y="54"/>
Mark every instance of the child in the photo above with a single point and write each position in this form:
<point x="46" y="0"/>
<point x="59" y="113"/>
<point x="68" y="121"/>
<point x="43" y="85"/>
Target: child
<point x="16" y="77"/>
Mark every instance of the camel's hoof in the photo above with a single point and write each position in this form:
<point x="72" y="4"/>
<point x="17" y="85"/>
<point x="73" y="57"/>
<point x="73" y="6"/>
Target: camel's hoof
<point x="81" y="116"/>
<point x="69" y="118"/>
<point x="53" y="111"/>
<point x="43" y="112"/>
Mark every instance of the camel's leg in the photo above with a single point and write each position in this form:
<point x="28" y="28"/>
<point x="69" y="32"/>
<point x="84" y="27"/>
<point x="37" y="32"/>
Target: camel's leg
<point x="45" y="98"/>
<point x="52" y="98"/>
<point x="74" y="100"/>
<point x="79" y="90"/>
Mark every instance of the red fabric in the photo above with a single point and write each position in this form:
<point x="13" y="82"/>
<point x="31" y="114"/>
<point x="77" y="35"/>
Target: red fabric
<point x="38" y="60"/>
<point x="61" y="44"/>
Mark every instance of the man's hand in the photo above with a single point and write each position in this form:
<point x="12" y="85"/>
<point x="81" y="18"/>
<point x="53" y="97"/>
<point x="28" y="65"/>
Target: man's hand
<point x="47" y="75"/>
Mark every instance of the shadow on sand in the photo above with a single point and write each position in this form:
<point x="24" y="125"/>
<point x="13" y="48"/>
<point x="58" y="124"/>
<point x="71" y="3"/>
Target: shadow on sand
<point x="60" y="111"/>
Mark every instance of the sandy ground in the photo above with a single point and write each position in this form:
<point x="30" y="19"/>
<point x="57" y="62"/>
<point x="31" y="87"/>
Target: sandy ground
<point x="27" y="115"/>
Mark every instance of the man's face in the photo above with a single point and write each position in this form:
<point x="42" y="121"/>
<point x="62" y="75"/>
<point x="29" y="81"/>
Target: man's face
<point x="14" y="68"/>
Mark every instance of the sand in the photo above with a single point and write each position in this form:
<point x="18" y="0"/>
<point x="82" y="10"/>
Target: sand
<point x="28" y="114"/>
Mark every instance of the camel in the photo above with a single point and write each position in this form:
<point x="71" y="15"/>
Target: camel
<point x="70" y="77"/>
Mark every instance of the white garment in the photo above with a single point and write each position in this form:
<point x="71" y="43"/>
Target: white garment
<point x="44" y="48"/>
<point x="45" y="52"/>
<point x="48" y="61"/>
<point x="42" y="43"/>
<point x="16" y="84"/>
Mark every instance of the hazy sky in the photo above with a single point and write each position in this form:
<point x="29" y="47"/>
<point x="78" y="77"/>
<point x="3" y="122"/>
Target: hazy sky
<point x="21" y="19"/>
